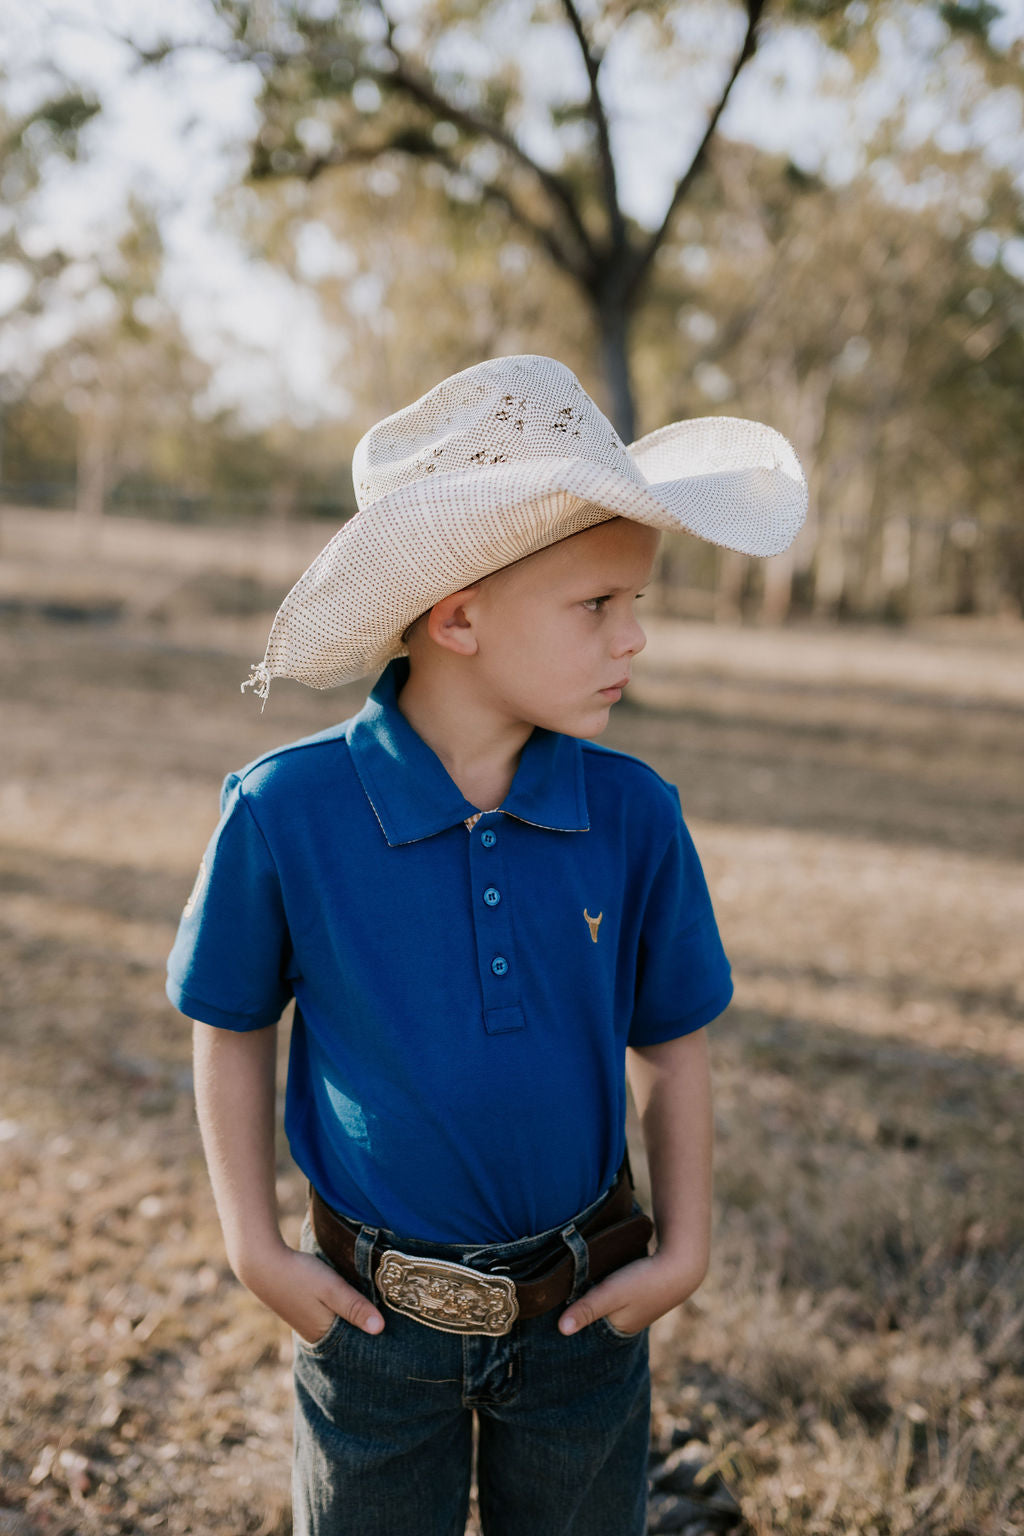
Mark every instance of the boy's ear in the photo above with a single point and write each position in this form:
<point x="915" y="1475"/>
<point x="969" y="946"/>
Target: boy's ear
<point x="449" y="625"/>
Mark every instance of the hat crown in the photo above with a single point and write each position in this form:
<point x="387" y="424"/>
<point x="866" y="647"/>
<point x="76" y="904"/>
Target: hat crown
<point x="502" y="411"/>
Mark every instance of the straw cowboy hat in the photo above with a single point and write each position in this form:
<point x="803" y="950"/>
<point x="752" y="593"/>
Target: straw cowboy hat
<point x="492" y="464"/>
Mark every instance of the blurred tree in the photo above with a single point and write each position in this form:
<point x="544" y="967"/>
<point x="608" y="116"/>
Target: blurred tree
<point x="405" y="167"/>
<point x="353" y="85"/>
<point x="126" y="373"/>
<point x="879" y="340"/>
<point x="28" y="141"/>
<point x="438" y="86"/>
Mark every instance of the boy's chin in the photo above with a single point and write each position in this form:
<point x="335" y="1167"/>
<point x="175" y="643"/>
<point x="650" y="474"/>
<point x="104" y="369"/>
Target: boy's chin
<point x="580" y="718"/>
<point x="586" y="725"/>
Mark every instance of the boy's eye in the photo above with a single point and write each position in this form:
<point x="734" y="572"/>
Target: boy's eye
<point x="595" y="604"/>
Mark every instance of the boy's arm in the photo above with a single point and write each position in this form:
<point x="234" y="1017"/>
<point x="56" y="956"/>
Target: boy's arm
<point x="235" y="1090"/>
<point x="671" y="1085"/>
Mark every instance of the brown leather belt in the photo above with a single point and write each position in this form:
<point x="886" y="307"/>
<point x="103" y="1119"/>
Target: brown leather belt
<point x="456" y="1298"/>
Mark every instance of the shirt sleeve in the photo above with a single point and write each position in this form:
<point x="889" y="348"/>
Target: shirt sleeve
<point x="683" y="976"/>
<point x="231" y="956"/>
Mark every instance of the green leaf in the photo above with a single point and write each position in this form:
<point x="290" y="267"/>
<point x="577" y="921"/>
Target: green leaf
<point x="971" y="16"/>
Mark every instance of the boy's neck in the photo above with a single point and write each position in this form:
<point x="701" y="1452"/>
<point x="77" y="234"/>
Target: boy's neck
<point x="477" y="745"/>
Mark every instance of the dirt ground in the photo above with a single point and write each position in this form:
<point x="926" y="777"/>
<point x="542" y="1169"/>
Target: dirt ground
<point x="852" y="1363"/>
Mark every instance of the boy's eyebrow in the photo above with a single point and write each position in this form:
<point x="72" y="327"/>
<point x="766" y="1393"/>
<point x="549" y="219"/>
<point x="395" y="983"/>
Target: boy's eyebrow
<point x="611" y="591"/>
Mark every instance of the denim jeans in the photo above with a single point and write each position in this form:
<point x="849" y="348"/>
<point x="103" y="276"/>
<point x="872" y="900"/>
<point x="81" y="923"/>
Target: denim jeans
<point x="384" y="1425"/>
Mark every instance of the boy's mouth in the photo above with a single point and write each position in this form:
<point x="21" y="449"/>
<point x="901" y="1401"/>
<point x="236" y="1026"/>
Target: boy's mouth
<point x="615" y="687"/>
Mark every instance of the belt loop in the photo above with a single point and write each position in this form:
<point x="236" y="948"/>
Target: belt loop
<point x="364" y="1258"/>
<point x="580" y="1257"/>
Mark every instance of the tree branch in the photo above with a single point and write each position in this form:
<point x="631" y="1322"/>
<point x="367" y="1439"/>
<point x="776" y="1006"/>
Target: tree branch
<point x="648" y="252"/>
<point x="579" y="263"/>
<point x="150" y="58"/>
<point x="593" y="61"/>
<point x="423" y="148"/>
<point x="422" y="91"/>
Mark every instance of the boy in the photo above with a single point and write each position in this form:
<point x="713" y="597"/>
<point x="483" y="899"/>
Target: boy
<point x="479" y="912"/>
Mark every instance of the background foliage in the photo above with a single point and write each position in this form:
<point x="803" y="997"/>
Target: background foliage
<point x="406" y="167"/>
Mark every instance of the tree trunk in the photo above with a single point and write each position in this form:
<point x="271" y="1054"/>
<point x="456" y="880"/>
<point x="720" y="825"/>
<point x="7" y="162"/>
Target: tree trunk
<point x="843" y="519"/>
<point x="830" y="573"/>
<point x="91" y="473"/>
<point x="732" y="572"/>
<point x="802" y="408"/>
<point x="923" y="590"/>
<point x="894" y="565"/>
<point x="963" y="539"/>
<point x="777" y="588"/>
<point x="613" y="331"/>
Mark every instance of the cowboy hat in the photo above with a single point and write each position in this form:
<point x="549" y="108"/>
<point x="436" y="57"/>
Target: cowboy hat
<point x="493" y="464"/>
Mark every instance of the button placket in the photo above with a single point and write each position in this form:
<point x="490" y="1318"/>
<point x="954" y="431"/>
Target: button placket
<point x="492" y="927"/>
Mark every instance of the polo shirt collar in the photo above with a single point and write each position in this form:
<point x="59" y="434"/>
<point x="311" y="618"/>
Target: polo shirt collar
<point x="414" y="796"/>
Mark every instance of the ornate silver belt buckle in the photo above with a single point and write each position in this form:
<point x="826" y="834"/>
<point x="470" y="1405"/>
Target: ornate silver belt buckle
<point x="450" y="1297"/>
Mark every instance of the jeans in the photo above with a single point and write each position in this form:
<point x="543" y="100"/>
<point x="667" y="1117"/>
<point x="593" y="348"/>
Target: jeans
<point x="384" y="1425"/>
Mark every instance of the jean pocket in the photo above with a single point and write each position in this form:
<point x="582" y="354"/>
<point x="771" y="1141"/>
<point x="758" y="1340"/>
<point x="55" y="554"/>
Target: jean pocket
<point x="616" y="1334"/>
<point x="326" y="1342"/>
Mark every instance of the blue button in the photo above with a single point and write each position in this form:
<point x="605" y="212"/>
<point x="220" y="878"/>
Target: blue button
<point x="499" y="965"/>
<point x="488" y="838"/>
<point x="492" y="896"/>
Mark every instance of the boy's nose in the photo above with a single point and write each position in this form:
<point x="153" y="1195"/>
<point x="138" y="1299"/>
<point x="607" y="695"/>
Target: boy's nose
<point x="631" y="640"/>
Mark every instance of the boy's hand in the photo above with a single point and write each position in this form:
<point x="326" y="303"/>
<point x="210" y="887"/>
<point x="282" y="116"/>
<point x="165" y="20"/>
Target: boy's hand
<point x="306" y="1293"/>
<point x="637" y="1294"/>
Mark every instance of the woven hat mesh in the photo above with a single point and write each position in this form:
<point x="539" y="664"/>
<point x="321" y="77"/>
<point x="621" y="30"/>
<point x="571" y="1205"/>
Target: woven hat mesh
<point x="491" y="465"/>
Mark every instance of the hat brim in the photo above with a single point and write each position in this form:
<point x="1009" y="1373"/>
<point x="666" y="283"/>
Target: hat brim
<point x="345" y="615"/>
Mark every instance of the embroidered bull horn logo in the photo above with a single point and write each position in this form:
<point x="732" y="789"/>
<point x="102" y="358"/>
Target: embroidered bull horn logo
<point x="593" y="923"/>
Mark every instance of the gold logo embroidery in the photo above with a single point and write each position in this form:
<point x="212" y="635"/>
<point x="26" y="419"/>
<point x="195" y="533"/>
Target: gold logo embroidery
<point x="593" y="923"/>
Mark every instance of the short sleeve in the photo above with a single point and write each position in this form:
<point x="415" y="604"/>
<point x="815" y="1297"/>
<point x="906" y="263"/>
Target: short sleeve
<point x="230" y="959"/>
<point x="683" y="976"/>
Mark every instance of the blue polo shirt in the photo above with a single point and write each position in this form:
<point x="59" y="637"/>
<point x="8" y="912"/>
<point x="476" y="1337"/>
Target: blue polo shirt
<point x="464" y="988"/>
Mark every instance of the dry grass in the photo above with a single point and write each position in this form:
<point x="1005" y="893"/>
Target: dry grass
<point x="854" y="1358"/>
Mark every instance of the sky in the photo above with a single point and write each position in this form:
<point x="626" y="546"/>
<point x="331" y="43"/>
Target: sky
<point x="179" y="136"/>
